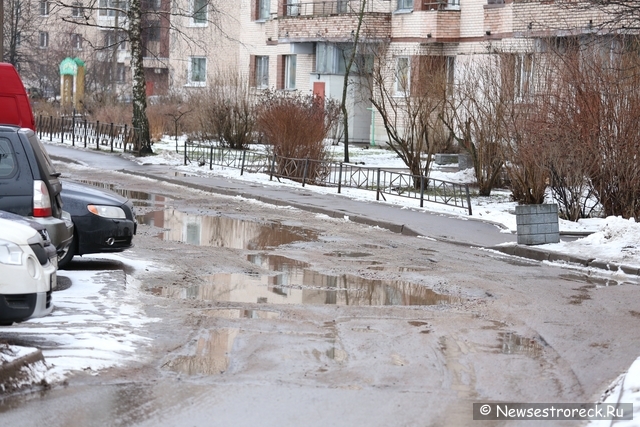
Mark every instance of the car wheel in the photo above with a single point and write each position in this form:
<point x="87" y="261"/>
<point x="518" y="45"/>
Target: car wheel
<point x="65" y="258"/>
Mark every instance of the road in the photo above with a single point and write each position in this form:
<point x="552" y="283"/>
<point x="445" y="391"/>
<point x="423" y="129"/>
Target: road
<point x="268" y="315"/>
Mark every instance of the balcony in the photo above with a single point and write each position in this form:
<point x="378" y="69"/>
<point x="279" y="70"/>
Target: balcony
<point x="431" y="21"/>
<point x="331" y="20"/>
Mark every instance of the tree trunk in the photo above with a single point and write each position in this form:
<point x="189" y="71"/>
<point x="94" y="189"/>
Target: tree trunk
<point x="140" y="121"/>
<point x="345" y="85"/>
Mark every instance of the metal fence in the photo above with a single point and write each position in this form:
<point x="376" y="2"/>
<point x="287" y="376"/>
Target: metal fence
<point x="324" y="8"/>
<point x="332" y="174"/>
<point x="83" y="133"/>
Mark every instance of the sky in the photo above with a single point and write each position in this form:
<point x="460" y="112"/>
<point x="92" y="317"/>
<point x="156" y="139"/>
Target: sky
<point x="90" y="330"/>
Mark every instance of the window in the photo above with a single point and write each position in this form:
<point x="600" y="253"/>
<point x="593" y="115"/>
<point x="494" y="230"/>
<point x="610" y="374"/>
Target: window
<point x="44" y="39"/>
<point x="76" y="41"/>
<point x="120" y="72"/>
<point x="197" y="71"/>
<point x="199" y="15"/>
<point x="7" y="162"/>
<point x="110" y="40"/>
<point x="109" y="7"/>
<point x="76" y="10"/>
<point x="402" y="75"/>
<point x="329" y="59"/>
<point x="262" y="72"/>
<point x="153" y="31"/>
<point x="44" y="7"/>
<point x="290" y="72"/>
<point x="264" y="9"/>
<point x="18" y="38"/>
<point x="523" y="75"/>
<point x="293" y="7"/>
<point x="153" y="4"/>
<point x="405" y="4"/>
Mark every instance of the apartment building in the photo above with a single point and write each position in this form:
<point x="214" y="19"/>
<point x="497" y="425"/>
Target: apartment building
<point x="302" y="45"/>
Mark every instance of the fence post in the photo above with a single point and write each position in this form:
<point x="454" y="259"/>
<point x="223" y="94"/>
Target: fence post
<point x="466" y="189"/>
<point x="244" y="155"/>
<point x="73" y="131"/>
<point x="98" y="135"/>
<point x="185" y="153"/>
<point x="421" y="191"/>
<point x="304" y="172"/>
<point x="211" y="157"/>
<point x="273" y="165"/>
<point x="62" y="130"/>
<point x="125" y="136"/>
<point x="50" y="128"/>
<point x="111" y="136"/>
<point x="378" y="186"/>
<point x="340" y="179"/>
<point x="85" y="132"/>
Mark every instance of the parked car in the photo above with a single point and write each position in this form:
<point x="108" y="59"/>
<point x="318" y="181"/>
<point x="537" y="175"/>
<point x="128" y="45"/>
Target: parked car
<point x="29" y="184"/>
<point x="27" y="277"/>
<point x="103" y="220"/>
<point x="40" y="229"/>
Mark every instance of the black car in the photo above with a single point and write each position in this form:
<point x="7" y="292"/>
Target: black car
<point x="103" y="220"/>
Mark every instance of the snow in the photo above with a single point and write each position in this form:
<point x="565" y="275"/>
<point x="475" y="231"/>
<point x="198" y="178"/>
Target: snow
<point x="90" y="330"/>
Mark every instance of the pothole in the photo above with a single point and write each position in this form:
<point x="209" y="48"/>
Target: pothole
<point x="512" y="343"/>
<point x="210" y="354"/>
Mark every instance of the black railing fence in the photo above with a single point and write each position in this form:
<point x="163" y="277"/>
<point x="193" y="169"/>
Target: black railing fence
<point x="83" y="133"/>
<point x="332" y="174"/>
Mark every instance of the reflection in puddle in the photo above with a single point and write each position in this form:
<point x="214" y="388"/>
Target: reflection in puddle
<point x="597" y="281"/>
<point x="138" y="198"/>
<point x="223" y="231"/>
<point x="517" y="344"/>
<point x="296" y="284"/>
<point x="211" y="354"/>
<point x="398" y="269"/>
<point x="237" y="313"/>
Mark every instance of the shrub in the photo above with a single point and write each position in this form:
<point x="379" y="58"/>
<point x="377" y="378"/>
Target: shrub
<point x="295" y="127"/>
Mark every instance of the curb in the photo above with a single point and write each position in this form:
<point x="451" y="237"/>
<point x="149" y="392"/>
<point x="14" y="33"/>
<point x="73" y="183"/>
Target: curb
<point x="12" y="373"/>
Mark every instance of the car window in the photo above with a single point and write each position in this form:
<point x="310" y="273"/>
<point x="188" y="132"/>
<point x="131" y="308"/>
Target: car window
<point x="42" y="154"/>
<point x="7" y="159"/>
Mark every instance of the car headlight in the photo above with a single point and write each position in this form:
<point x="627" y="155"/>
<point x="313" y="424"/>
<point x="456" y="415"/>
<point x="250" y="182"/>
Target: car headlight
<point x="10" y="253"/>
<point x="107" y="211"/>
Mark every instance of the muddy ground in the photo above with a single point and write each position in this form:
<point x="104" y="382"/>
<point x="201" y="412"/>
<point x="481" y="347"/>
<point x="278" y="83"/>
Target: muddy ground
<point x="275" y="316"/>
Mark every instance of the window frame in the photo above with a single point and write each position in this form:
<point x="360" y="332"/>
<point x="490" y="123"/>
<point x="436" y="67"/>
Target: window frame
<point x="264" y="10"/>
<point x="290" y="66"/>
<point x="405" y="5"/>
<point x="202" y="13"/>
<point x="43" y="40"/>
<point x="45" y="8"/>
<point x="262" y="72"/>
<point x="191" y="70"/>
<point x="76" y="41"/>
<point x="406" y="87"/>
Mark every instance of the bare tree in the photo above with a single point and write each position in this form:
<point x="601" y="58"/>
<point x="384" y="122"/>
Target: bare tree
<point x="130" y="24"/>
<point x="410" y="94"/>
<point x="349" y="61"/>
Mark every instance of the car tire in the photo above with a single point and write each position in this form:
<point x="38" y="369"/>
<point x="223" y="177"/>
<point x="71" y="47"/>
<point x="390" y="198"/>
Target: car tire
<point x="66" y="257"/>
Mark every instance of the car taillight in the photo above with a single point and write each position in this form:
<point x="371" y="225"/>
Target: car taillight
<point x="41" y="199"/>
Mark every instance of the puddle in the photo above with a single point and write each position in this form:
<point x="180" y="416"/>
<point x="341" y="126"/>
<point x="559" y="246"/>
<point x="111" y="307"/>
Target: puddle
<point x="238" y="313"/>
<point x="296" y="284"/>
<point x="398" y="269"/>
<point x="223" y="231"/>
<point x="211" y="354"/>
<point x="597" y="281"/>
<point x="517" y="344"/>
<point x="138" y="198"/>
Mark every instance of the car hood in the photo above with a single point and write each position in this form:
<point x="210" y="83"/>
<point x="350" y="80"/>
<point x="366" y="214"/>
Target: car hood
<point x="73" y="193"/>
